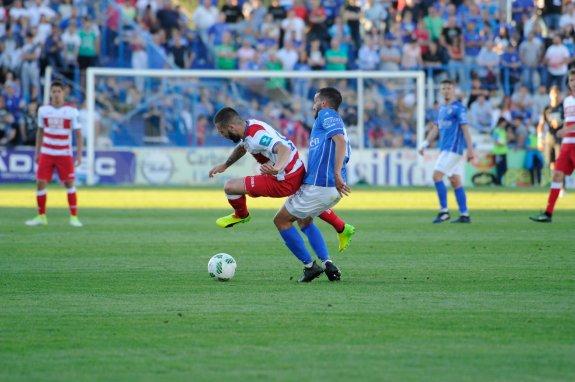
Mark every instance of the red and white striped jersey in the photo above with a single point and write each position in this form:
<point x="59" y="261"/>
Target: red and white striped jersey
<point x="569" y="114"/>
<point x="260" y="139"/>
<point x="57" y="124"/>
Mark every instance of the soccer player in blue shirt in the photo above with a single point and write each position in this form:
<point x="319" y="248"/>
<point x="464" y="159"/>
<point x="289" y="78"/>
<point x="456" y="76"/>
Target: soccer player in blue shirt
<point x="454" y="141"/>
<point x="323" y="186"/>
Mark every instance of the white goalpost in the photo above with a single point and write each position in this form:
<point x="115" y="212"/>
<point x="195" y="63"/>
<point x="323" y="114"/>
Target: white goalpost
<point x="360" y="76"/>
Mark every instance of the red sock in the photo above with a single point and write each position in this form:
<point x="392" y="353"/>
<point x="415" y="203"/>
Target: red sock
<point x="41" y="197"/>
<point x="72" y="201"/>
<point x="331" y="218"/>
<point x="553" y="195"/>
<point x="239" y="205"/>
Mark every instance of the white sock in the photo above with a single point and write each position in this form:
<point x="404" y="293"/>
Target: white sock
<point x="444" y="210"/>
<point x="233" y="197"/>
<point x="309" y="265"/>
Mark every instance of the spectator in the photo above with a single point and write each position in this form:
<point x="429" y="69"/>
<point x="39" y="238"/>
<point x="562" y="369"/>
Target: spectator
<point x="316" y="58"/>
<point x="317" y="23"/>
<point x="71" y="41"/>
<point x="288" y="55"/>
<point x="168" y="18"/>
<point x="11" y="55"/>
<point x="202" y="125"/>
<point x="511" y="65"/>
<point x="217" y="30"/>
<point x="226" y="56"/>
<point x="28" y="125"/>
<point x="550" y="122"/>
<point x="488" y="62"/>
<point x="375" y="13"/>
<point x="270" y="33"/>
<point x="352" y="16"/>
<point x="342" y="32"/>
<point x="552" y="13"/>
<point x="435" y="58"/>
<point x="293" y="25"/>
<point x="179" y="51"/>
<point x="530" y="53"/>
<point x="450" y="32"/>
<point x="500" y="150"/>
<point x="411" y="55"/>
<point x="421" y="34"/>
<point x="301" y="86"/>
<point x="533" y="157"/>
<point x="480" y="114"/>
<point x="476" y="91"/>
<point x="390" y="55"/>
<point x="376" y="136"/>
<point x="557" y="58"/>
<point x="30" y="71"/>
<point x="568" y="16"/>
<point x="434" y="23"/>
<point x="232" y="11"/>
<point x="277" y="11"/>
<point x="336" y="57"/>
<point x="246" y="55"/>
<point x="205" y="15"/>
<point x="7" y="126"/>
<point x="89" y="45"/>
<point x="456" y="52"/>
<point x="368" y="57"/>
<point x="53" y="49"/>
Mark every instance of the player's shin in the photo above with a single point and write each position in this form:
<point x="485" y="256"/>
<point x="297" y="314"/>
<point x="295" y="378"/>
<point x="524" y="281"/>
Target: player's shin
<point x="316" y="241"/>
<point x="238" y="203"/>
<point x="332" y="219"/>
<point x="296" y="245"/>
<point x="41" y="197"/>
<point x="441" y="195"/>
<point x="552" y="199"/>
<point x="461" y="201"/>
<point x="72" y="201"/>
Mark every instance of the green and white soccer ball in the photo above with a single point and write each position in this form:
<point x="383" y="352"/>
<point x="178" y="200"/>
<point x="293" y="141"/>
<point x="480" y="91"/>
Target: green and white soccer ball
<point x="222" y="266"/>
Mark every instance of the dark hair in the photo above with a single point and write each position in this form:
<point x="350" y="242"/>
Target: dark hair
<point x="225" y="116"/>
<point x="57" y="84"/>
<point x="331" y="95"/>
<point x="447" y="81"/>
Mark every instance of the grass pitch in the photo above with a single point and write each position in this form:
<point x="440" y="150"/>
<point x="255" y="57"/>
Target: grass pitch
<point x="128" y="296"/>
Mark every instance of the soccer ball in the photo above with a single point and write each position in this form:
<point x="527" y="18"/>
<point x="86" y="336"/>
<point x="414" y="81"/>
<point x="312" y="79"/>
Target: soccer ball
<point x="222" y="266"/>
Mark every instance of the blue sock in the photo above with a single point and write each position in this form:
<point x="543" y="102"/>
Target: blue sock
<point x="296" y="244"/>
<point x="461" y="200"/>
<point x="441" y="194"/>
<point x="316" y="240"/>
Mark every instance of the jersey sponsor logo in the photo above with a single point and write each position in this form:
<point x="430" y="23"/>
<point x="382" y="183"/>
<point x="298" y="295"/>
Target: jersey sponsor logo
<point x="313" y="142"/>
<point x="265" y="140"/>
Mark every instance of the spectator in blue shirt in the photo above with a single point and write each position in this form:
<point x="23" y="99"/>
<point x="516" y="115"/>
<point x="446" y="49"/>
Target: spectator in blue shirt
<point x="511" y="68"/>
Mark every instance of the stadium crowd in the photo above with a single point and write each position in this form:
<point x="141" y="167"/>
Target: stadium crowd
<point x="503" y="70"/>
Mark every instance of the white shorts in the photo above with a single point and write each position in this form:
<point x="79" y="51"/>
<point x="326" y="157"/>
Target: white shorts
<point x="310" y="201"/>
<point x="450" y="163"/>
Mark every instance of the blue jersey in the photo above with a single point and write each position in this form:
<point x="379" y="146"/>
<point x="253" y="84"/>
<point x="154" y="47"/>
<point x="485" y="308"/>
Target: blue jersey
<point x="449" y="121"/>
<point x="321" y="154"/>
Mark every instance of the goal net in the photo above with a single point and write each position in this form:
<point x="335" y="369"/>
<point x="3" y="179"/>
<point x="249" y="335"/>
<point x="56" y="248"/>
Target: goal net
<point x="155" y="126"/>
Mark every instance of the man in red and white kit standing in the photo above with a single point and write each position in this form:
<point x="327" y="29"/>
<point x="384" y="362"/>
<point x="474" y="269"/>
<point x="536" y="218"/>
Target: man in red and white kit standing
<point x="282" y="171"/>
<point x="565" y="163"/>
<point x="54" y="152"/>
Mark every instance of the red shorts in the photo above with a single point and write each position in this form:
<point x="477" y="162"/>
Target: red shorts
<point x="268" y="185"/>
<point x="566" y="161"/>
<point x="63" y="164"/>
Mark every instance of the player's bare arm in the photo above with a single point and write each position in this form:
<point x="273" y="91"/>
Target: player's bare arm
<point x="468" y="141"/>
<point x="80" y="148"/>
<point x="39" y="138"/>
<point x="340" y="150"/>
<point x="431" y="135"/>
<point x="283" y="153"/>
<point x="238" y="152"/>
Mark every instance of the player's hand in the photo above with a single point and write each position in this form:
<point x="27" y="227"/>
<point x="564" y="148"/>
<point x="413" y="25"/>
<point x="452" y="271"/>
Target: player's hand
<point x="78" y="161"/>
<point x="470" y="155"/>
<point x="342" y="188"/>
<point x="267" y="168"/>
<point x="217" y="170"/>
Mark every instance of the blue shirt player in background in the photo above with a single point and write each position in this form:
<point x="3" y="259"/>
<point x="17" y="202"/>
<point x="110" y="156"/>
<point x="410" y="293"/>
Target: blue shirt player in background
<point x="323" y="186"/>
<point x="454" y="144"/>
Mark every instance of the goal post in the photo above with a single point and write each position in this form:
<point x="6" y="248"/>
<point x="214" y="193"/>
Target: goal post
<point x="360" y="77"/>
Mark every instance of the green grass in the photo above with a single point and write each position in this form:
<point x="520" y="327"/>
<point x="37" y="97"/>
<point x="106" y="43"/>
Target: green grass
<point x="128" y="297"/>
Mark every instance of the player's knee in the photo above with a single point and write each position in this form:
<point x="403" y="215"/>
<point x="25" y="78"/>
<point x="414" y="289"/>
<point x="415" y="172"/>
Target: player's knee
<point x="303" y="223"/>
<point x="229" y="187"/>
<point x="455" y="182"/>
<point x="437" y="176"/>
<point x="558" y="176"/>
<point x="41" y="184"/>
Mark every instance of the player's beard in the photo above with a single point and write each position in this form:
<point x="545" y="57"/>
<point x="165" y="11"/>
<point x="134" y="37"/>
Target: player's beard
<point x="235" y="138"/>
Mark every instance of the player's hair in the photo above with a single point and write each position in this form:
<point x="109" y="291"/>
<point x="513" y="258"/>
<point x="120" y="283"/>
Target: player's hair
<point x="571" y="73"/>
<point x="447" y="81"/>
<point x="226" y="116"/>
<point x="331" y="95"/>
<point x="57" y="84"/>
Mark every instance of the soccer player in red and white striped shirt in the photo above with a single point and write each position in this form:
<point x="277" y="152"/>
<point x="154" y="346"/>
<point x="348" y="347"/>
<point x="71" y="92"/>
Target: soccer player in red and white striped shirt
<point x="565" y="164"/>
<point x="56" y="122"/>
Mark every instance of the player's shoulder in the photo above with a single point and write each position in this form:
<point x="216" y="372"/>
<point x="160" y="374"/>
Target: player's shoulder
<point x="253" y="127"/>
